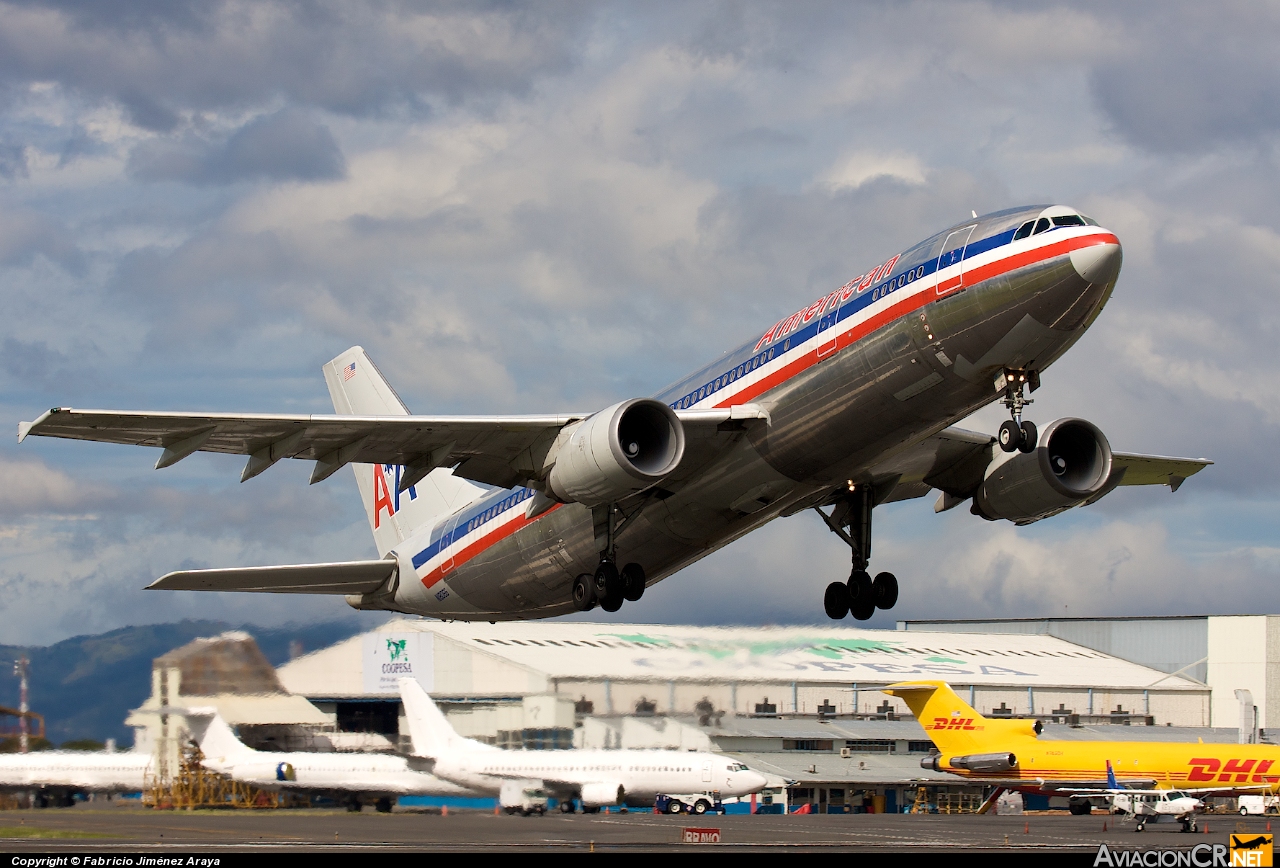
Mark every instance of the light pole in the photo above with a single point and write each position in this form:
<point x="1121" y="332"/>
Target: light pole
<point x="24" y="706"/>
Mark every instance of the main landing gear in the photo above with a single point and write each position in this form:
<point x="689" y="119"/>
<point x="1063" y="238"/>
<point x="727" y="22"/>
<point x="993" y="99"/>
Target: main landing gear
<point x="609" y="586"/>
<point x="1017" y="433"/>
<point x="861" y="595"/>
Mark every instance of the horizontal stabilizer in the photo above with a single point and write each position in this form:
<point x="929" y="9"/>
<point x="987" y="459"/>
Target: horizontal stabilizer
<point x="351" y="577"/>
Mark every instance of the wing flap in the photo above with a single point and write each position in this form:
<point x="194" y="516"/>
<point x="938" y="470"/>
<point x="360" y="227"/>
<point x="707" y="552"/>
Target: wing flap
<point x="351" y="577"/>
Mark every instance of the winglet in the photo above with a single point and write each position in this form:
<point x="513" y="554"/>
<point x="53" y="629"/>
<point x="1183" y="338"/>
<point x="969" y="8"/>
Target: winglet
<point x="24" y="428"/>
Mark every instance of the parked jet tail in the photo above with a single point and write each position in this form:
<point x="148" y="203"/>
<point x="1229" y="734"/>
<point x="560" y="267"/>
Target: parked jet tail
<point x="432" y="735"/>
<point x="358" y="388"/>
<point x="1112" y="783"/>
<point x="953" y="724"/>
<point x="215" y="738"/>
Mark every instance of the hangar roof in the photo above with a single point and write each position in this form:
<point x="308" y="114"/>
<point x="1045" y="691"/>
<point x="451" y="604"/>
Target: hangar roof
<point x="836" y="654"/>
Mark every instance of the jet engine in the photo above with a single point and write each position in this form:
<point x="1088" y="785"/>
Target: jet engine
<point x="1070" y="464"/>
<point x="595" y="795"/>
<point x="620" y="450"/>
<point x="985" y="762"/>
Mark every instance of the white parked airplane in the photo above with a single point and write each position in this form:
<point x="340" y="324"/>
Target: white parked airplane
<point x="353" y="778"/>
<point x="56" y="777"/>
<point x="594" y="777"/>
<point x="840" y="406"/>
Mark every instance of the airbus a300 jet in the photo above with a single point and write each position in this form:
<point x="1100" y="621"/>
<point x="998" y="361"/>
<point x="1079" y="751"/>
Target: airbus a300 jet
<point x="843" y="404"/>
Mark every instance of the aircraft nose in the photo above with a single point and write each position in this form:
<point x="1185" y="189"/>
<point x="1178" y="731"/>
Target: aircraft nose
<point x="1098" y="263"/>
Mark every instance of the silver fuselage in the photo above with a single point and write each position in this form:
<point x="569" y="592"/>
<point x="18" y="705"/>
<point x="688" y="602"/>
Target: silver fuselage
<point x="848" y="382"/>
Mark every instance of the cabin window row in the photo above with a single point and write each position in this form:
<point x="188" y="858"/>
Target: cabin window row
<point x="721" y="381"/>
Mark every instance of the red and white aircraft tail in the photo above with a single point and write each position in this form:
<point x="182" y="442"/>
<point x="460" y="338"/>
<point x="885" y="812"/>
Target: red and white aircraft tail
<point x="358" y="388"/>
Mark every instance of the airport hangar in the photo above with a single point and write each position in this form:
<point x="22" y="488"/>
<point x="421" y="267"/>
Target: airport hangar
<point x="801" y="704"/>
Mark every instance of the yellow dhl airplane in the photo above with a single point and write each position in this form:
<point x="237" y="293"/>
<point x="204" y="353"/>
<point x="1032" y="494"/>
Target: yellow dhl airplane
<point x="1011" y="753"/>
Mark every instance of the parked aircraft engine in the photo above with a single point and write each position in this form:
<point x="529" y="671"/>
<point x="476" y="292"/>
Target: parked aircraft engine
<point x="620" y="450"/>
<point x="985" y="762"/>
<point x="595" y="795"/>
<point x="1071" y="464"/>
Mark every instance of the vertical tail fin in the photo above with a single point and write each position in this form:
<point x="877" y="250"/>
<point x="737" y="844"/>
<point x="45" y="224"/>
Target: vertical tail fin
<point x="432" y="735"/>
<point x="1112" y="783"/>
<point x="358" y="388"/>
<point x="216" y="740"/>
<point x="952" y="723"/>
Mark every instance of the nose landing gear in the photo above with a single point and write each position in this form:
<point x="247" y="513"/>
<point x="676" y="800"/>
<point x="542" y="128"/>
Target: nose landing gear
<point x="1017" y="433"/>
<point x="860" y="595"/>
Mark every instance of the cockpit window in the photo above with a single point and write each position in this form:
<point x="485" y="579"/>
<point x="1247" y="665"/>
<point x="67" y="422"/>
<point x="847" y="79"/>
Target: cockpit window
<point x="1024" y="230"/>
<point x="1041" y="225"/>
<point x="1068" y="220"/>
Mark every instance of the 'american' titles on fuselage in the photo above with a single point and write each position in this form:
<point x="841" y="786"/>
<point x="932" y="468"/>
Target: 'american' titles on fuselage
<point x="893" y="291"/>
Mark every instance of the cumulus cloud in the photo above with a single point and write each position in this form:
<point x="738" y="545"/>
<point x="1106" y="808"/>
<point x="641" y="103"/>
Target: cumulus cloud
<point x="287" y="145"/>
<point x="540" y="207"/>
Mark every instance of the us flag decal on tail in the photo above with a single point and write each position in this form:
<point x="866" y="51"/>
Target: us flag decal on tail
<point x="348" y="372"/>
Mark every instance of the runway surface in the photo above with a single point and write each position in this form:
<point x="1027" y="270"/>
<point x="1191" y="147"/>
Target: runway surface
<point x="133" y="829"/>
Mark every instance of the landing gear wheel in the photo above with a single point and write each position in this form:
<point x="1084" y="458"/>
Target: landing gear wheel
<point x="836" y="601"/>
<point x="862" y="604"/>
<point x="584" y="593"/>
<point x="1010" y="436"/>
<point x="884" y="590"/>
<point x="632" y="582"/>
<point x="1029" y="436"/>
<point x="566" y="806"/>
<point x="608" y="581"/>
<point x="611" y="604"/>
<point x="382" y="806"/>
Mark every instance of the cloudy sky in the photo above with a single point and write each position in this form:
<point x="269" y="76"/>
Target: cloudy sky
<point x="553" y="206"/>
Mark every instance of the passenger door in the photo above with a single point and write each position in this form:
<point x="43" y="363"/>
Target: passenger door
<point x="952" y="255"/>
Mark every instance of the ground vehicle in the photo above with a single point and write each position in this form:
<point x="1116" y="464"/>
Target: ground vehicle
<point x="524" y="800"/>
<point x="688" y="803"/>
<point x="1258" y="805"/>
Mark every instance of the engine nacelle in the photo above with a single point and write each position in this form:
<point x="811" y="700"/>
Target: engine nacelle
<point x="620" y="450"/>
<point x="1070" y="464"/>
<point x="985" y="762"/>
<point x="599" y="794"/>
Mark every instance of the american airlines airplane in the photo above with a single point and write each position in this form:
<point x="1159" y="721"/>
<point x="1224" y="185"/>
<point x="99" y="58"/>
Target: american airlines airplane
<point x="56" y="777"/>
<point x="595" y="777"/>
<point x="843" y="404"/>
<point x="354" y="778"/>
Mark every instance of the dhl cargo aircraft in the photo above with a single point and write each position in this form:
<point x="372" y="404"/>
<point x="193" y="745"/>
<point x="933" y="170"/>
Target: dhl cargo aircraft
<point x="1010" y="752"/>
<point x="841" y="405"/>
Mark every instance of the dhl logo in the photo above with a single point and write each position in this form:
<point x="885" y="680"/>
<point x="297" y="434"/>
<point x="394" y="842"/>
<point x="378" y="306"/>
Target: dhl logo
<point x="1233" y="771"/>
<point x="952" y="723"/>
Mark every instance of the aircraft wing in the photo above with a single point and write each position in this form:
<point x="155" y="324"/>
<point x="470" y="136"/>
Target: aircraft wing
<point x="352" y="577"/>
<point x="493" y="450"/>
<point x="954" y="461"/>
